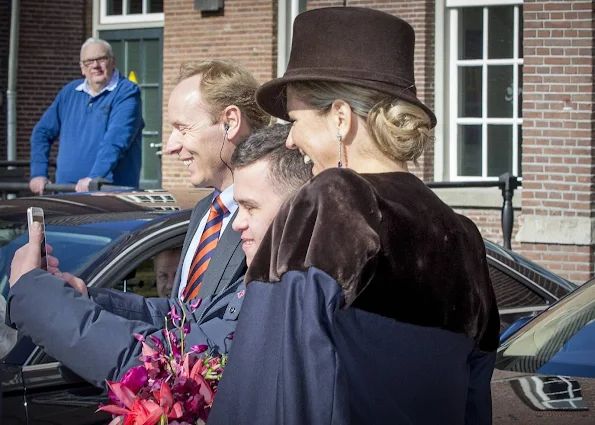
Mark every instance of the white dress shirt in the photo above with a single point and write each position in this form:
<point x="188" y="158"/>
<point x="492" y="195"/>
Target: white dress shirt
<point x="227" y="199"/>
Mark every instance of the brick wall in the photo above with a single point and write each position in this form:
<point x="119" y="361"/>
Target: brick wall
<point x="249" y="35"/>
<point x="557" y="156"/>
<point x="490" y="224"/>
<point x="51" y="34"/>
<point x="246" y="31"/>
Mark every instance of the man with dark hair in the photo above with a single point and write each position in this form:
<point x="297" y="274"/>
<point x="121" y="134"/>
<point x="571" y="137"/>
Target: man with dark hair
<point x="84" y="321"/>
<point x="259" y="198"/>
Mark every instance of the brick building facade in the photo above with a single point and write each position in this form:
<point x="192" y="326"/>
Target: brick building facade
<point x="511" y="82"/>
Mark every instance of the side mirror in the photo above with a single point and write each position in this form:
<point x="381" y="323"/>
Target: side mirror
<point x="514" y="327"/>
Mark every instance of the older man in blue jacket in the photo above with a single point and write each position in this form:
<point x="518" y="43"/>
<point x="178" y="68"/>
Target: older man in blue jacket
<point x="99" y="122"/>
<point x="93" y="333"/>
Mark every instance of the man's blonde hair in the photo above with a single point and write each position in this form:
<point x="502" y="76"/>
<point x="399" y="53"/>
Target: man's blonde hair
<point x="224" y="83"/>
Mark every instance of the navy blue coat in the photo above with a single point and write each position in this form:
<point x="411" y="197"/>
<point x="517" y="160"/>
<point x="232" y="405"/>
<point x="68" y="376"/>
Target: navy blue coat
<point x="368" y="302"/>
<point x="298" y="358"/>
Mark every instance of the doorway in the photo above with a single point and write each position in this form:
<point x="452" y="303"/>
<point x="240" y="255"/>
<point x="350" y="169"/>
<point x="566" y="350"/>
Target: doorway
<point x="140" y="52"/>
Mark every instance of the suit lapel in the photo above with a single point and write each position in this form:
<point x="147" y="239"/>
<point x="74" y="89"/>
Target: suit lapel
<point x="227" y="247"/>
<point x="197" y="214"/>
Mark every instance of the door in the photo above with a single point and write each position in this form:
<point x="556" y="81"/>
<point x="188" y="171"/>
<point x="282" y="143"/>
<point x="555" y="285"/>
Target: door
<point x="140" y="51"/>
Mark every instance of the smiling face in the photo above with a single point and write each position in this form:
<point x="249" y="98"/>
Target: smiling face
<point x="258" y="204"/>
<point x="314" y="135"/>
<point x="97" y="65"/>
<point x="194" y="137"/>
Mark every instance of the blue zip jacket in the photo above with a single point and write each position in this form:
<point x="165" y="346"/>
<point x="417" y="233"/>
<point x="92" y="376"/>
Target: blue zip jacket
<point x="100" y="136"/>
<point x="94" y="337"/>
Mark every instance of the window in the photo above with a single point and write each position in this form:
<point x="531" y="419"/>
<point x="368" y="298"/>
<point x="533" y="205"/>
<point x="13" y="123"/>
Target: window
<point x="153" y="277"/>
<point x="485" y="80"/>
<point x="128" y="11"/>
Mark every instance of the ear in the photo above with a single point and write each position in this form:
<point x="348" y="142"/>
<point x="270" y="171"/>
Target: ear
<point x="82" y="68"/>
<point x="232" y="116"/>
<point x="342" y="117"/>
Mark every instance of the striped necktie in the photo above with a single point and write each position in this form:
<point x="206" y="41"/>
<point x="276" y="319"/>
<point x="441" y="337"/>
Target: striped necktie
<point x="206" y="248"/>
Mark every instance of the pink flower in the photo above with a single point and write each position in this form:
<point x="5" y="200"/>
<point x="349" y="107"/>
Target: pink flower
<point x="173" y="313"/>
<point x="198" y="349"/>
<point x="170" y="386"/>
<point x="195" y="304"/>
<point x="135" y="378"/>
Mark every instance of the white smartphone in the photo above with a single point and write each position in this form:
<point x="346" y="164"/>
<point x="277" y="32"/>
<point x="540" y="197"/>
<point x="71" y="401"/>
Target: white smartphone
<point x="36" y="214"/>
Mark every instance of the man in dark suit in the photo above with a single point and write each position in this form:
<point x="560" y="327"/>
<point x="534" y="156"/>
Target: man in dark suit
<point x="267" y="174"/>
<point x="211" y="110"/>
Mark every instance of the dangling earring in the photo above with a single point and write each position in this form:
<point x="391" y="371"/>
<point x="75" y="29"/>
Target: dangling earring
<point x="340" y="138"/>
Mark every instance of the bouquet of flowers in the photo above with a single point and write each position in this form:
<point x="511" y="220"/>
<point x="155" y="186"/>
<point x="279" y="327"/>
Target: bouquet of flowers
<point x="171" y="387"/>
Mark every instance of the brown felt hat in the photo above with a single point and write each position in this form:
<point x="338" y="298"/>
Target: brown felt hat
<point x="353" y="45"/>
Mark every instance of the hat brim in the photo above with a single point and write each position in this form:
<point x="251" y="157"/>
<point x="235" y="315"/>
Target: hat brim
<point x="271" y="97"/>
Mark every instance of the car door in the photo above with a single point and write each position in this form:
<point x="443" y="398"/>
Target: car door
<point x="42" y="391"/>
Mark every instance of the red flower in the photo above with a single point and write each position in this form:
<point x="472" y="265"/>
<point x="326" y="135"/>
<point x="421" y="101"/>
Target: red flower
<point x="165" y="398"/>
<point x="137" y="411"/>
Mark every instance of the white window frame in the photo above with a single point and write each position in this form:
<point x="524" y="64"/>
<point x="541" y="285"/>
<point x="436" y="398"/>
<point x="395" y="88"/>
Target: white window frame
<point x="454" y="7"/>
<point x="125" y="18"/>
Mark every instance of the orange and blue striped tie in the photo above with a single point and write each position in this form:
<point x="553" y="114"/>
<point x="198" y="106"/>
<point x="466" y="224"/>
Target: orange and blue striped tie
<point x="206" y="248"/>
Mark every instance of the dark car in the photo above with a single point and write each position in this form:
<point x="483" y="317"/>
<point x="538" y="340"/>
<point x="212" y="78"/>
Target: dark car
<point x="545" y="371"/>
<point x="110" y="240"/>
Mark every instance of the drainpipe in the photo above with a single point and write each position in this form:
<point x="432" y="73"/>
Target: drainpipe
<point x="281" y="37"/>
<point x="11" y="92"/>
<point x="286" y="12"/>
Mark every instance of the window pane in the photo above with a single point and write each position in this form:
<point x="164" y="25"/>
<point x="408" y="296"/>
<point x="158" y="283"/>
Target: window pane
<point x="499" y="149"/>
<point x="151" y="108"/>
<point x="133" y="60"/>
<point x="511" y="293"/>
<point x="118" y="50"/>
<point x="151" y="162"/>
<point x="469" y="155"/>
<point x="520" y="32"/>
<point x="500" y="32"/>
<point x="520" y="89"/>
<point x="154" y="6"/>
<point x="471" y="33"/>
<point x="135" y="7"/>
<point x="500" y="91"/>
<point x="520" y="147"/>
<point x="152" y="57"/>
<point x="114" y="7"/>
<point x="470" y="91"/>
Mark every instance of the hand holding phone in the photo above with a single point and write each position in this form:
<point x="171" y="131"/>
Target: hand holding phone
<point x="35" y="214"/>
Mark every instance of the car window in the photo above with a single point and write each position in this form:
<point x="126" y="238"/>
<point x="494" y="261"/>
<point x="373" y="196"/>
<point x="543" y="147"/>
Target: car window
<point x="150" y="279"/>
<point x="154" y="277"/>
<point x="65" y="240"/>
<point x="561" y="340"/>
<point x="511" y="293"/>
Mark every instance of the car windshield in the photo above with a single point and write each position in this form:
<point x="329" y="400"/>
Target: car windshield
<point x="559" y="341"/>
<point x="73" y="246"/>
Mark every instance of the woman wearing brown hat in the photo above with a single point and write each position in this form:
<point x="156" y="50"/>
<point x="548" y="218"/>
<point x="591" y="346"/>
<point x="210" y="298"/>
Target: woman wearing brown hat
<point x="369" y="301"/>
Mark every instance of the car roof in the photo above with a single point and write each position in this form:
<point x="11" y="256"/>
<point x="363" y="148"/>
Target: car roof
<point x="76" y="209"/>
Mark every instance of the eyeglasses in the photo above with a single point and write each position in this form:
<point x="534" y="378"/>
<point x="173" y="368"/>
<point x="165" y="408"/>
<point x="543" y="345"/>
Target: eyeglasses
<point x="100" y="60"/>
